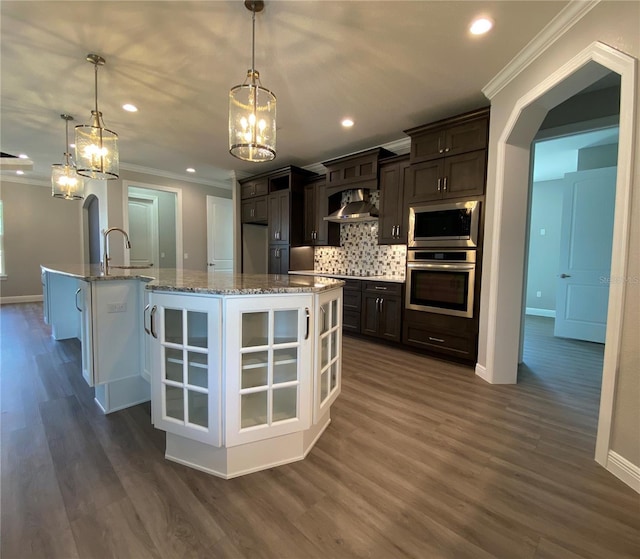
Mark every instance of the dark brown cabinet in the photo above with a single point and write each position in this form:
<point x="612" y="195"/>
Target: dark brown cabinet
<point x="445" y="138"/>
<point x="317" y="231"/>
<point x="382" y="310"/>
<point x="354" y="171"/>
<point x="279" y="215"/>
<point x="392" y="223"/>
<point x="351" y="305"/>
<point x="449" y="177"/>
<point x="448" y="158"/>
<point x="278" y="259"/>
<point x="255" y="210"/>
<point x="447" y="335"/>
<point x="254" y="187"/>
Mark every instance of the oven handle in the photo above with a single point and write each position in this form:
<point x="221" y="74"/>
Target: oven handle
<point x="422" y="265"/>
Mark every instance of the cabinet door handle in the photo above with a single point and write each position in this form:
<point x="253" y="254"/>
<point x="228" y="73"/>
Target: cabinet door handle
<point x="439" y="183"/>
<point x="446" y="150"/>
<point x="440" y="150"/>
<point x="444" y="184"/>
<point x="306" y="310"/>
<point x="436" y="340"/>
<point x="144" y="319"/>
<point x="153" y="322"/>
<point x="77" y="292"/>
<point x="381" y="303"/>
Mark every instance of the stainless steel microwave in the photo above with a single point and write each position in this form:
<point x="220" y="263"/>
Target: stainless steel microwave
<point x="444" y="225"/>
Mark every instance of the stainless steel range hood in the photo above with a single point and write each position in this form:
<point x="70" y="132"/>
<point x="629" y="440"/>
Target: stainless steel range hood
<point x="359" y="209"/>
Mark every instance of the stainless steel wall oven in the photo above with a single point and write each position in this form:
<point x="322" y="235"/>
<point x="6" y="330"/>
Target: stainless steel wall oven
<point x="441" y="281"/>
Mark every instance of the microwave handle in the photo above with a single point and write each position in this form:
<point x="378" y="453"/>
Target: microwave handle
<point x="418" y="265"/>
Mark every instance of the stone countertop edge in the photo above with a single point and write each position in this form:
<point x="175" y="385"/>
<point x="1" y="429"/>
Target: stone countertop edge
<point x="389" y="279"/>
<point x="198" y="282"/>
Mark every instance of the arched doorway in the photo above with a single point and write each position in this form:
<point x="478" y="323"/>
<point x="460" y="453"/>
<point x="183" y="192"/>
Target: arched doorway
<point x="502" y="306"/>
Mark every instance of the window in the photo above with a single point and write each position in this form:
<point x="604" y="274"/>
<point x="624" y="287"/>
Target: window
<point x="2" y="272"/>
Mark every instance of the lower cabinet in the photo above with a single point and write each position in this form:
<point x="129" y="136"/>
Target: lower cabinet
<point x="382" y="310"/>
<point x="272" y="371"/>
<point x="278" y="259"/>
<point x="352" y="305"/>
<point x="186" y="360"/>
<point x="448" y="335"/>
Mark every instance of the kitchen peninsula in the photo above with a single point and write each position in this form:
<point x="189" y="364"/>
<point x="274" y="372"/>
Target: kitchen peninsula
<point x="241" y="369"/>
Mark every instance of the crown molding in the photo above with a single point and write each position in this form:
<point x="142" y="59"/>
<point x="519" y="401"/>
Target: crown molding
<point x="175" y="176"/>
<point x="26" y="180"/>
<point x="557" y="27"/>
<point x="399" y="147"/>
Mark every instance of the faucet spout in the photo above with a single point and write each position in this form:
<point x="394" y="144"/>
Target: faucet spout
<point x="105" y="234"/>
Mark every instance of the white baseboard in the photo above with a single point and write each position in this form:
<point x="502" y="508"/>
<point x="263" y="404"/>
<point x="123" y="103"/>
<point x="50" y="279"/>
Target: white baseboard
<point x="481" y="371"/>
<point x="21" y="299"/>
<point x="540" y="312"/>
<point x="624" y="470"/>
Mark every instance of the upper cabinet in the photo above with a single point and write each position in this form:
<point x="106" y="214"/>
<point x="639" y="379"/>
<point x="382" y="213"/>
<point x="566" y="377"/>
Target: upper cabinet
<point x="317" y="231"/>
<point x="392" y="223"/>
<point x="354" y="171"/>
<point x="448" y="158"/>
<point x="254" y="187"/>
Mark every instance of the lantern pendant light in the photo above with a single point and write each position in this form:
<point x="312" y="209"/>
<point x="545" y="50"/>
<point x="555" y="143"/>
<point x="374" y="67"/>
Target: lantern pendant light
<point x="65" y="182"/>
<point x="96" y="146"/>
<point x="252" y="110"/>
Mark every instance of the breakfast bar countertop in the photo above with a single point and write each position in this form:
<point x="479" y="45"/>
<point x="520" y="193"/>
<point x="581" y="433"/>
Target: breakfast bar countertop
<point x="195" y="281"/>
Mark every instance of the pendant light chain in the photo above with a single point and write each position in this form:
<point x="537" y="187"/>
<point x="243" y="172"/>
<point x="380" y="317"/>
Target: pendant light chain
<point x="67" y="155"/>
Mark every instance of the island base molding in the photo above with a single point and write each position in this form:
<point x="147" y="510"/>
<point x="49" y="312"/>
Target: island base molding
<point x="235" y="461"/>
<point x="123" y="393"/>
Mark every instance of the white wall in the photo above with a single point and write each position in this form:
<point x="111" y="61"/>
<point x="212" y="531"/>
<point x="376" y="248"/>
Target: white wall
<point x="615" y="24"/>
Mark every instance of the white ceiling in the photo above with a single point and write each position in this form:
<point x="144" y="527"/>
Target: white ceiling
<point x="390" y="65"/>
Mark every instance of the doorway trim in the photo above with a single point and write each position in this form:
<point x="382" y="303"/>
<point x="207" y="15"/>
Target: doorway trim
<point x="177" y="191"/>
<point x="506" y="269"/>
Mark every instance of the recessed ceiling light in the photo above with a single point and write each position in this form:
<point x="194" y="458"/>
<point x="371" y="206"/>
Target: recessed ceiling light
<point x="191" y="170"/>
<point x="23" y="156"/>
<point x="130" y="108"/>
<point x="480" y="26"/>
<point x="19" y="172"/>
<point x="347" y="122"/>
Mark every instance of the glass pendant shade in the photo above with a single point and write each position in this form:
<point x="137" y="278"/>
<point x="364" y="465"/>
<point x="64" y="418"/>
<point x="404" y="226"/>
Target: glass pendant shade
<point x="65" y="181"/>
<point x="97" y="150"/>
<point x="252" y="120"/>
<point x="252" y="109"/>
<point x="97" y="154"/>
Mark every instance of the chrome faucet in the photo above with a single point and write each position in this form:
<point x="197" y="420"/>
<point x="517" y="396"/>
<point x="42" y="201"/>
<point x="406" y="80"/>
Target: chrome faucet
<point x="105" y="234"/>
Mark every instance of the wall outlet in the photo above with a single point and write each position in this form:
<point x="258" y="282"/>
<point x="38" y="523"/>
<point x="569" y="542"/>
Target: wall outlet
<point x="538" y="293"/>
<point x="162" y="255"/>
<point x="543" y="232"/>
<point x="186" y="255"/>
<point x="116" y="307"/>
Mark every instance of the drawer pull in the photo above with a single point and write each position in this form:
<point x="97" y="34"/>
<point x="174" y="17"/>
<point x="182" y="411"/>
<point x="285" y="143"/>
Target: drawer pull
<point x="436" y="340"/>
<point x="380" y="288"/>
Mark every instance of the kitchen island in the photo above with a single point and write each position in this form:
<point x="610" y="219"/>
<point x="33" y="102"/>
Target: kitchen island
<point x="242" y="369"/>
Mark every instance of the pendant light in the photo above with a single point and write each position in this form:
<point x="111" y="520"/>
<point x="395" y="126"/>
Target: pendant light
<point x="65" y="181"/>
<point x="252" y="110"/>
<point x="96" y="146"/>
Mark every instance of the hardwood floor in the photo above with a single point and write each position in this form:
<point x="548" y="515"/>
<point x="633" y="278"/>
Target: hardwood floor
<point x="422" y="459"/>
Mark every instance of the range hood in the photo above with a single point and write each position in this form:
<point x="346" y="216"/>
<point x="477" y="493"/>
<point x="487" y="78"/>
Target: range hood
<point x="359" y="209"/>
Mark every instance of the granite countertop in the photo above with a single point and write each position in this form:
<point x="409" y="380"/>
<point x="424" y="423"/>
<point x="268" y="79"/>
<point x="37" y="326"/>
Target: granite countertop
<point x="193" y="281"/>
<point x="391" y="279"/>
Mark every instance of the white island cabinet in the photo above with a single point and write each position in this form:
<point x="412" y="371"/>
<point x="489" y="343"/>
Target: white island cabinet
<point x="243" y="379"/>
<point x="104" y="313"/>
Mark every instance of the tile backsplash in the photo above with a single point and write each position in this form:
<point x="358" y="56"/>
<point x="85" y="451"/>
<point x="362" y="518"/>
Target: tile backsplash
<point x="359" y="253"/>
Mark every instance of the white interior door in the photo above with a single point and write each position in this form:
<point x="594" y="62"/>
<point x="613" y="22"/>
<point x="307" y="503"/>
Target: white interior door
<point x="219" y="234"/>
<point x="143" y="230"/>
<point x="586" y="233"/>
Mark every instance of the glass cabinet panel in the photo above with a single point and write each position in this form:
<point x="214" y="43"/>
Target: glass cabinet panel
<point x="273" y="367"/>
<point x="185" y="390"/>
<point x="328" y="352"/>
